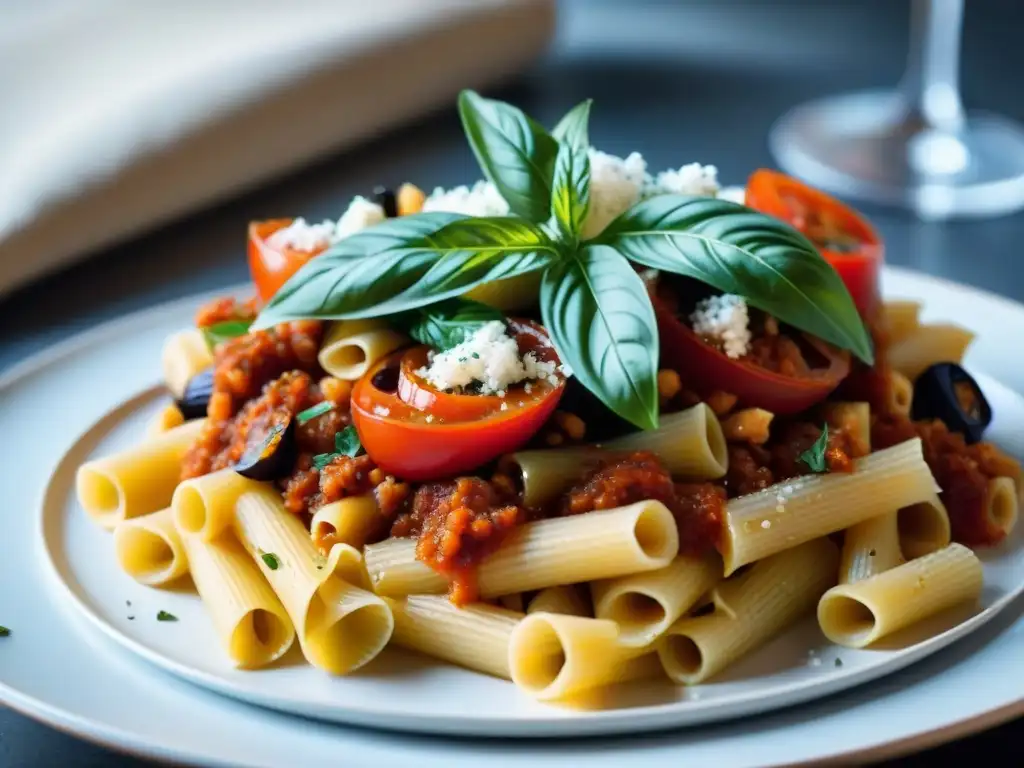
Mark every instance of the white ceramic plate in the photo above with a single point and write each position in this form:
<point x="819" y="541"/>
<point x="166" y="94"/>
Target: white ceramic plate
<point x="109" y="687"/>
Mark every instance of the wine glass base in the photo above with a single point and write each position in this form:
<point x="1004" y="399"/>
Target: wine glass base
<point x="870" y="147"/>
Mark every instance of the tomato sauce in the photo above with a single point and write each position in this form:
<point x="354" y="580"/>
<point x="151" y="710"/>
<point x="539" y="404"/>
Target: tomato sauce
<point x="458" y="524"/>
<point x="227" y="310"/>
<point x="698" y="508"/>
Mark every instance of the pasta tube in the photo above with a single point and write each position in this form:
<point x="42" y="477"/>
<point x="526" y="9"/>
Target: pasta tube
<point x="857" y="615"/>
<point x="798" y="510"/>
<point x="348" y="521"/>
<point x="565" y="599"/>
<point x="644" y="605"/>
<point x="923" y="527"/>
<point x="774" y="594"/>
<point x="205" y="506"/>
<point x="855" y="420"/>
<point x="251" y="622"/>
<point x="689" y="443"/>
<point x="1001" y="505"/>
<point x="352" y="346"/>
<point x="136" y="481"/>
<point x="562" y="550"/>
<point x="900" y="393"/>
<point x="870" y="547"/>
<point x="927" y="345"/>
<point x="167" y="419"/>
<point x="185" y="354"/>
<point x="149" y="549"/>
<point x="340" y="626"/>
<point x="901" y="319"/>
<point x="475" y="636"/>
<point x="554" y="656"/>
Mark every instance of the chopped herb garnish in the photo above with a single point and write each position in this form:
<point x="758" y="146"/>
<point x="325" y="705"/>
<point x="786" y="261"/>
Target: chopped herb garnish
<point x="476" y="355"/>
<point x="317" y="410"/>
<point x="871" y="553"/>
<point x="270" y="559"/>
<point x="814" y="457"/>
<point x="128" y="603"/>
<point x="838" y="662"/>
<point x="346" y="443"/>
<point x="165" y="616"/>
<point x="221" y="332"/>
<point x="131" y="618"/>
<point x="5" y="632"/>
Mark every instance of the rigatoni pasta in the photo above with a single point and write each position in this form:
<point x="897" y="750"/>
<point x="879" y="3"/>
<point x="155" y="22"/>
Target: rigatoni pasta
<point x="205" y="506"/>
<point x="475" y="636"/>
<point x="184" y="355"/>
<point x="776" y="592"/>
<point x="340" y="626"/>
<point x="644" y="605"/>
<point x="352" y="346"/>
<point x="799" y="510"/>
<point x="555" y="656"/>
<point x="923" y="527"/>
<point x="137" y="481"/>
<point x="348" y="521"/>
<point x="253" y="626"/>
<point x="927" y="345"/>
<point x="870" y="547"/>
<point x="566" y="599"/>
<point x="857" y="615"/>
<point x="149" y="548"/>
<point x="565" y="550"/>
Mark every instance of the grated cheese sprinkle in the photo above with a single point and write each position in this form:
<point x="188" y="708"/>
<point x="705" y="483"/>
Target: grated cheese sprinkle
<point x="690" y="179"/>
<point x="489" y="359"/>
<point x="723" y="321"/>
<point x="300" y="235"/>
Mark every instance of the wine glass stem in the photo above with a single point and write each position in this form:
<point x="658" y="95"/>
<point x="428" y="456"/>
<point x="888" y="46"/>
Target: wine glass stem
<point x="931" y="84"/>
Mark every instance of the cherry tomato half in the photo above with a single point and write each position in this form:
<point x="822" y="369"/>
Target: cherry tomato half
<point x="270" y="267"/>
<point x="418" y="432"/>
<point x="707" y="369"/>
<point x="844" y="238"/>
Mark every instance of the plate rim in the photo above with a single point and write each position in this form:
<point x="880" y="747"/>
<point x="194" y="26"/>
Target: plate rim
<point x="122" y="739"/>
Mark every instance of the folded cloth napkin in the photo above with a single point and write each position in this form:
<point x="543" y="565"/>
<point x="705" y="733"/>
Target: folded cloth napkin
<point x="121" y="114"/>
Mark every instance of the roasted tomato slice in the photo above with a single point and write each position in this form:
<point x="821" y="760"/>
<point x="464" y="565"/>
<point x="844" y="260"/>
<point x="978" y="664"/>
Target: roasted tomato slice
<point x="270" y="267"/>
<point x="707" y="369"/>
<point x="843" y="237"/>
<point x="417" y="432"/>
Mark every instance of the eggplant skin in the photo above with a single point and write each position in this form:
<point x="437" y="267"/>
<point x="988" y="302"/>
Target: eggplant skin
<point x="196" y="397"/>
<point x="935" y="397"/>
<point x="274" y="457"/>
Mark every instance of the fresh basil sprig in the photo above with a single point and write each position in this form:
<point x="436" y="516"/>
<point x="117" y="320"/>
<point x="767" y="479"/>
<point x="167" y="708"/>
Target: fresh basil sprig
<point x="815" y="457"/>
<point x="592" y="301"/>
<point x="221" y="332"/>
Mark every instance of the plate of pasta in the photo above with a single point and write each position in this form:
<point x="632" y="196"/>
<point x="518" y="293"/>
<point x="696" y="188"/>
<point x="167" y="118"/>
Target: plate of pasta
<point x="580" y="449"/>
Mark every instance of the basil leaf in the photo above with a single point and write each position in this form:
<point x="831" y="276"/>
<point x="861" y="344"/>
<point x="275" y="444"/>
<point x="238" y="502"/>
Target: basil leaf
<point x="471" y="252"/>
<point x="448" y="323"/>
<point x="314" y="412"/>
<point x="321" y="460"/>
<point x="270" y="559"/>
<point x="740" y="251"/>
<point x="356" y="273"/>
<point x="515" y="153"/>
<point x="165" y="616"/>
<point x="5" y="632"/>
<point x="572" y="129"/>
<point x="596" y="308"/>
<point x="570" y="196"/>
<point x="440" y="256"/>
<point x="814" y="457"/>
<point x="346" y="442"/>
<point x="220" y="332"/>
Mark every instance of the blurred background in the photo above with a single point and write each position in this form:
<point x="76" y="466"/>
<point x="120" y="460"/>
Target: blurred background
<point x="138" y="138"/>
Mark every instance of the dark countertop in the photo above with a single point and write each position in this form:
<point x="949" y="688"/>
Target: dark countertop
<point x="678" y="81"/>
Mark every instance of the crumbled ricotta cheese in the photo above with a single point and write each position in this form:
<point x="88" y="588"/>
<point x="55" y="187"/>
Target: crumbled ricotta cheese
<point x="615" y="186"/>
<point x="300" y="235"/>
<point x="690" y="179"/>
<point x="361" y="213"/>
<point x="724" y="321"/>
<point x="733" y="194"/>
<point x="480" y="200"/>
<point x="489" y="358"/>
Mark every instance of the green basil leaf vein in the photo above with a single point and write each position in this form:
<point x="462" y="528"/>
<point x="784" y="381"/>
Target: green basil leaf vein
<point x="597" y="311"/>
<point x="448" y="323"/>
<point x="740" y="251"/>
<point x="573" y="128"/>
<point x="570" y="195"/>
<point x="382" y="273"/>
<point x="514" y="152"/>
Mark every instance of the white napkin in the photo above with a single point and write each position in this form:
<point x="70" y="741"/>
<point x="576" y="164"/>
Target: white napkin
<point x="116" y="115"/>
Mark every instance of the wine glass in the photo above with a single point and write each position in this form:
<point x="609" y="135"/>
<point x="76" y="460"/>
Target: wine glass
<point x="912" y="147"/>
